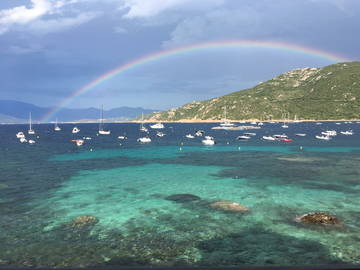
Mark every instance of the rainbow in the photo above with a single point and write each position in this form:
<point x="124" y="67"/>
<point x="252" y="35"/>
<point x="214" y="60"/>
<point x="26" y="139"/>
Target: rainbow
<point x="195" y="47"/>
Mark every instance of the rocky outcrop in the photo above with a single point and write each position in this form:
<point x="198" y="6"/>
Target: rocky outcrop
<point x="318" y="218"/>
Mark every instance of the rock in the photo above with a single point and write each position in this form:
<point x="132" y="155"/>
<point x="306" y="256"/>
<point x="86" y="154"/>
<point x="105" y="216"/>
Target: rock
<point x="83" y="221"/>
<point x="182" y="198"/>
<point x="3" y="186"/>
<point x="229" y="206"/>
<point x="318" y="218"/>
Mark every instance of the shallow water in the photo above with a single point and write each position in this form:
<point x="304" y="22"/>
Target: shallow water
<point x="125" y="185"/>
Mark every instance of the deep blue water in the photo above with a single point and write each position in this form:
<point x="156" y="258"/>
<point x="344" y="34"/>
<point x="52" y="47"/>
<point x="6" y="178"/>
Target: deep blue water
<point x="124" y="185"/>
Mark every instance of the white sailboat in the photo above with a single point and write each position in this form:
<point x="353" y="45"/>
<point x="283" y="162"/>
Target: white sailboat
<point x="102" y="131"/>
<point x="226" y="123"/>
<point x="142" y="128"/>
<point x="57" y="128"/>
<point x="30" y="131"/>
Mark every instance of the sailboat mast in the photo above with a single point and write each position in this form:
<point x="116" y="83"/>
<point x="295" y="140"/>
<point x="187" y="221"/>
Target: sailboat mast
<point x="30" y="126"/>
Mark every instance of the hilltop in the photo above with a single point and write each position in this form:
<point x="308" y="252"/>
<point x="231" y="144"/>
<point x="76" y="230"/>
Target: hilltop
<point x="331" y="92"/>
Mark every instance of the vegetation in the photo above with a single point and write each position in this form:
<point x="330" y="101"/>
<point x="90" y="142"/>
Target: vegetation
<point x="332" y="92"/>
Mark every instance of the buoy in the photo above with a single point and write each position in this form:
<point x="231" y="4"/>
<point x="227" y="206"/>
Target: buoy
<point x="239" y="148"/>
<point x="180" y="148"/>
<point x="91" y="149"/>
<point x="182" y="143"/>
<point x="227" y="143"/>
<point x="301" y="148"/>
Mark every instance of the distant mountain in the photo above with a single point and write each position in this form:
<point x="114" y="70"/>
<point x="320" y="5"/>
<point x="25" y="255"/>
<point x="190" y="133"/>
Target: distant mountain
<point x="332" y="92"/>
<point x="18" y="112"/>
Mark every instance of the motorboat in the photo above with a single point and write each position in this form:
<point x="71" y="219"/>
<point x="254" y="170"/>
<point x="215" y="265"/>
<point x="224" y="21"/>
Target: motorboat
<point x="323" y="137"/>
<point x="144" y="140"/>
<point x="300" y="134"/>
<point x="281" y="136"/>
<point x="348" y="132"/>
<point x="269" y="138"/>
<point x="75" y="130"/>
<point x="189" y="136"/>
<point x="209" y="138"/>
<point x="329" y="133"/>
<point x="122" y="137"/>
<point x="160" y="134"/>
<point x="253" y="123"/>
<point x="243" y="137"/>
<point x="157" y="126"/>
<point x="31" y="141"/>
<point x="23" y="140"/>
<point x="199" y="133"/>
<point x="260" y="124"/>
<point x="249" y="134"/>
<point x="20" y="135"/>
<point x="285" y="126"/>
<point x="208" y="141"/>
<point x="287" y="140"/>
<point x="78" y="142"/>
<point x="86" y="138"/>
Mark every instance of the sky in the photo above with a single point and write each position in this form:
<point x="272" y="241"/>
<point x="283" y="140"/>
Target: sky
<point x="49" y="49"/>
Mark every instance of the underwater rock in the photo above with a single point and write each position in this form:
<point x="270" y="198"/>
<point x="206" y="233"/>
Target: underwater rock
<point x="182" y="198"/>
<point x="3" y="186"/>
<point x="318" y="218"/>
<point x="83" y="221"/>
<point x="229" y="206"/>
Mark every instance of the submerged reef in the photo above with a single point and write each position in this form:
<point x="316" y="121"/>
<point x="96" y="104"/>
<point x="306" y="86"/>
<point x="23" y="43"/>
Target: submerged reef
<point x="229" y="206"/>
<point x="182" y="198"/>
<point x="319" y="218"/>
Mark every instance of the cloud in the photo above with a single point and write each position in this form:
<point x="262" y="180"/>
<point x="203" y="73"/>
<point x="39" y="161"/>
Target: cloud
<point x="43" y="16"/>
<point x="23" y="15"/>
<point x="150" y="8"/>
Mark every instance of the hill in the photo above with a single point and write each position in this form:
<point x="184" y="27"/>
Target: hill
<point x="12" y="111"/>
<point x="331" y="92"/>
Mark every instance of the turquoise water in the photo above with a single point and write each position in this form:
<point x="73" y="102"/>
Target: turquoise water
<point x="125" y="187"/>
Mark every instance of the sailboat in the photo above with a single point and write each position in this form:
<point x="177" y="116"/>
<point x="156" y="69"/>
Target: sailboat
<point x="30" y="131"/>
<point x="101" y="124"/>
<point x="226" y="123"/>
<point x="57" y="128"/>
<point x="284" y="124"/>
<point x="142" y="128"/>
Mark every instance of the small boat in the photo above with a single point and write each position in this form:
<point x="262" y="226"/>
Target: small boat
<point x="226" y="123"/>
<point x="102" y="131"/>
<point x="57" y="128"/>
<point x="260" y="124"/>
<point x="142" y="128"/>
<point x="199" y="133"/>
<point x="284" y="126"/>
<point x="329" y="133"/>
<point x="209" y="138"/>
<point x="253" y="123"/>
<point x="243" y="137"/>
<point x="122" y="137"/>
<point x="31" y="141"/>
<point x="287" y="140"/>
<point x="75" y="130"/>
<point x="86" y="138"/>
<point x="20" y="135"/>
<point x="269" y="138"/>
<point x="160" y="134"/>
<point x="249" y="134"/>
<point x="322" y="137"/>
<point x="78" y="142"/>
<point x="300" y="134"/>
<point x="144" y="140"/>
<point x="208" y="141"/>
<point x="23" y="140"/>
<point x="318" y="123"/>
<point x="348" y="132"/>
<point x="337" y="123"/>
<point x="189" y="136"/>
<point x="281" y="136"/>
<point x="30" y="131"/>
<point x="157" y="126"/>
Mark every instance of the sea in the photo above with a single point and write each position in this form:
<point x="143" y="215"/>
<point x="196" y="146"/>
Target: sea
<point x="114" y="202"/>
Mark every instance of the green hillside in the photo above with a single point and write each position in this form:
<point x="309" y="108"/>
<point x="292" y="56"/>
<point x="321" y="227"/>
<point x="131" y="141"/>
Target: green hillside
<point x="332" y="92"/>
